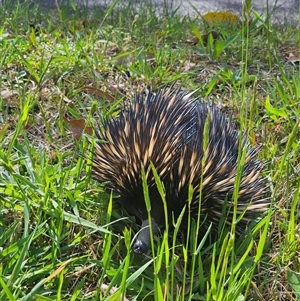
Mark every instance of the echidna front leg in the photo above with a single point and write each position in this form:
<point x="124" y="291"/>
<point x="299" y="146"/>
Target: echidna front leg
<point x="143" y="240"/>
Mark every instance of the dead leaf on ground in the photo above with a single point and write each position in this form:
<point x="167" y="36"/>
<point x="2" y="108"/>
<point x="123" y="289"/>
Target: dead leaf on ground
<point x="204" y="37"/>
<point x="78" y="126"/>
<point x="99" y="92"/>
<point x="10" y="96"/>
<point x="192" y="41"/>
<point x="293" y="58"/>
<point x="104" y="288"/>
<point x="215" y="34"/>
<point x="188" y="65"/>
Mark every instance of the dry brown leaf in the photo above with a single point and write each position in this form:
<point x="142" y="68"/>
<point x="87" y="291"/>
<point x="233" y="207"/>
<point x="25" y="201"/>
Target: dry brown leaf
<point x="292" y="58"/>
<point x="104" y="288"/>
<point x="99" y="92"/>
<point x="78" y="126"/>
<point x="8" y="93"/>
<point x="10" y="96"/>
<point x="188" y="65"/>
<point x="205" y="36"/>
<point x="192" y="41"/>
<point x="195" y="40"/>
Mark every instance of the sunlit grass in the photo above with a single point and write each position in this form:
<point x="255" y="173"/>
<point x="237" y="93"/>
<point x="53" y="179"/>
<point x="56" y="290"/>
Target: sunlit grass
<point x="62" y="237"/>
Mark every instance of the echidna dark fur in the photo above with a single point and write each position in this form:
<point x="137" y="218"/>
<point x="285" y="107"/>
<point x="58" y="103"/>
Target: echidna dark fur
<point x="167" y="129"/>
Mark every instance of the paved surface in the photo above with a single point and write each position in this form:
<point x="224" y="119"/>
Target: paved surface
<point x="281" y="9"/>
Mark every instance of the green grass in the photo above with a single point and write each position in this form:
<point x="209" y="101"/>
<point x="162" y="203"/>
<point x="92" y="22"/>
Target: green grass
<point x="61" y="236"/>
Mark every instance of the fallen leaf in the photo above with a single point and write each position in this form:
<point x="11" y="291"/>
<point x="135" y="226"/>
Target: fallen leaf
<point x="192" y="41"/>
<point x="104" y="288"/>
<point x="99" y="92"/>
<point x="10" y="97"/>
<point x="293" y="58"/>
<point x="78" y="126"/>
<point x="204" y="37"/>
<point x="215" y="34"/>
<point x="188" y="65"/>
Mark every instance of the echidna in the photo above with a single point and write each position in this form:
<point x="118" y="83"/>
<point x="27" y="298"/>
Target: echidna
<point x="167" y="130"/>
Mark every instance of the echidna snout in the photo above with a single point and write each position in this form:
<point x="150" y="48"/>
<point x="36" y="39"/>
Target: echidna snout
<point x="166" y="130"/>
<point x="143" y="240"/>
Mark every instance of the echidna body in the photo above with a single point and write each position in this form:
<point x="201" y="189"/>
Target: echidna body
<point x="190" y="144"/>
